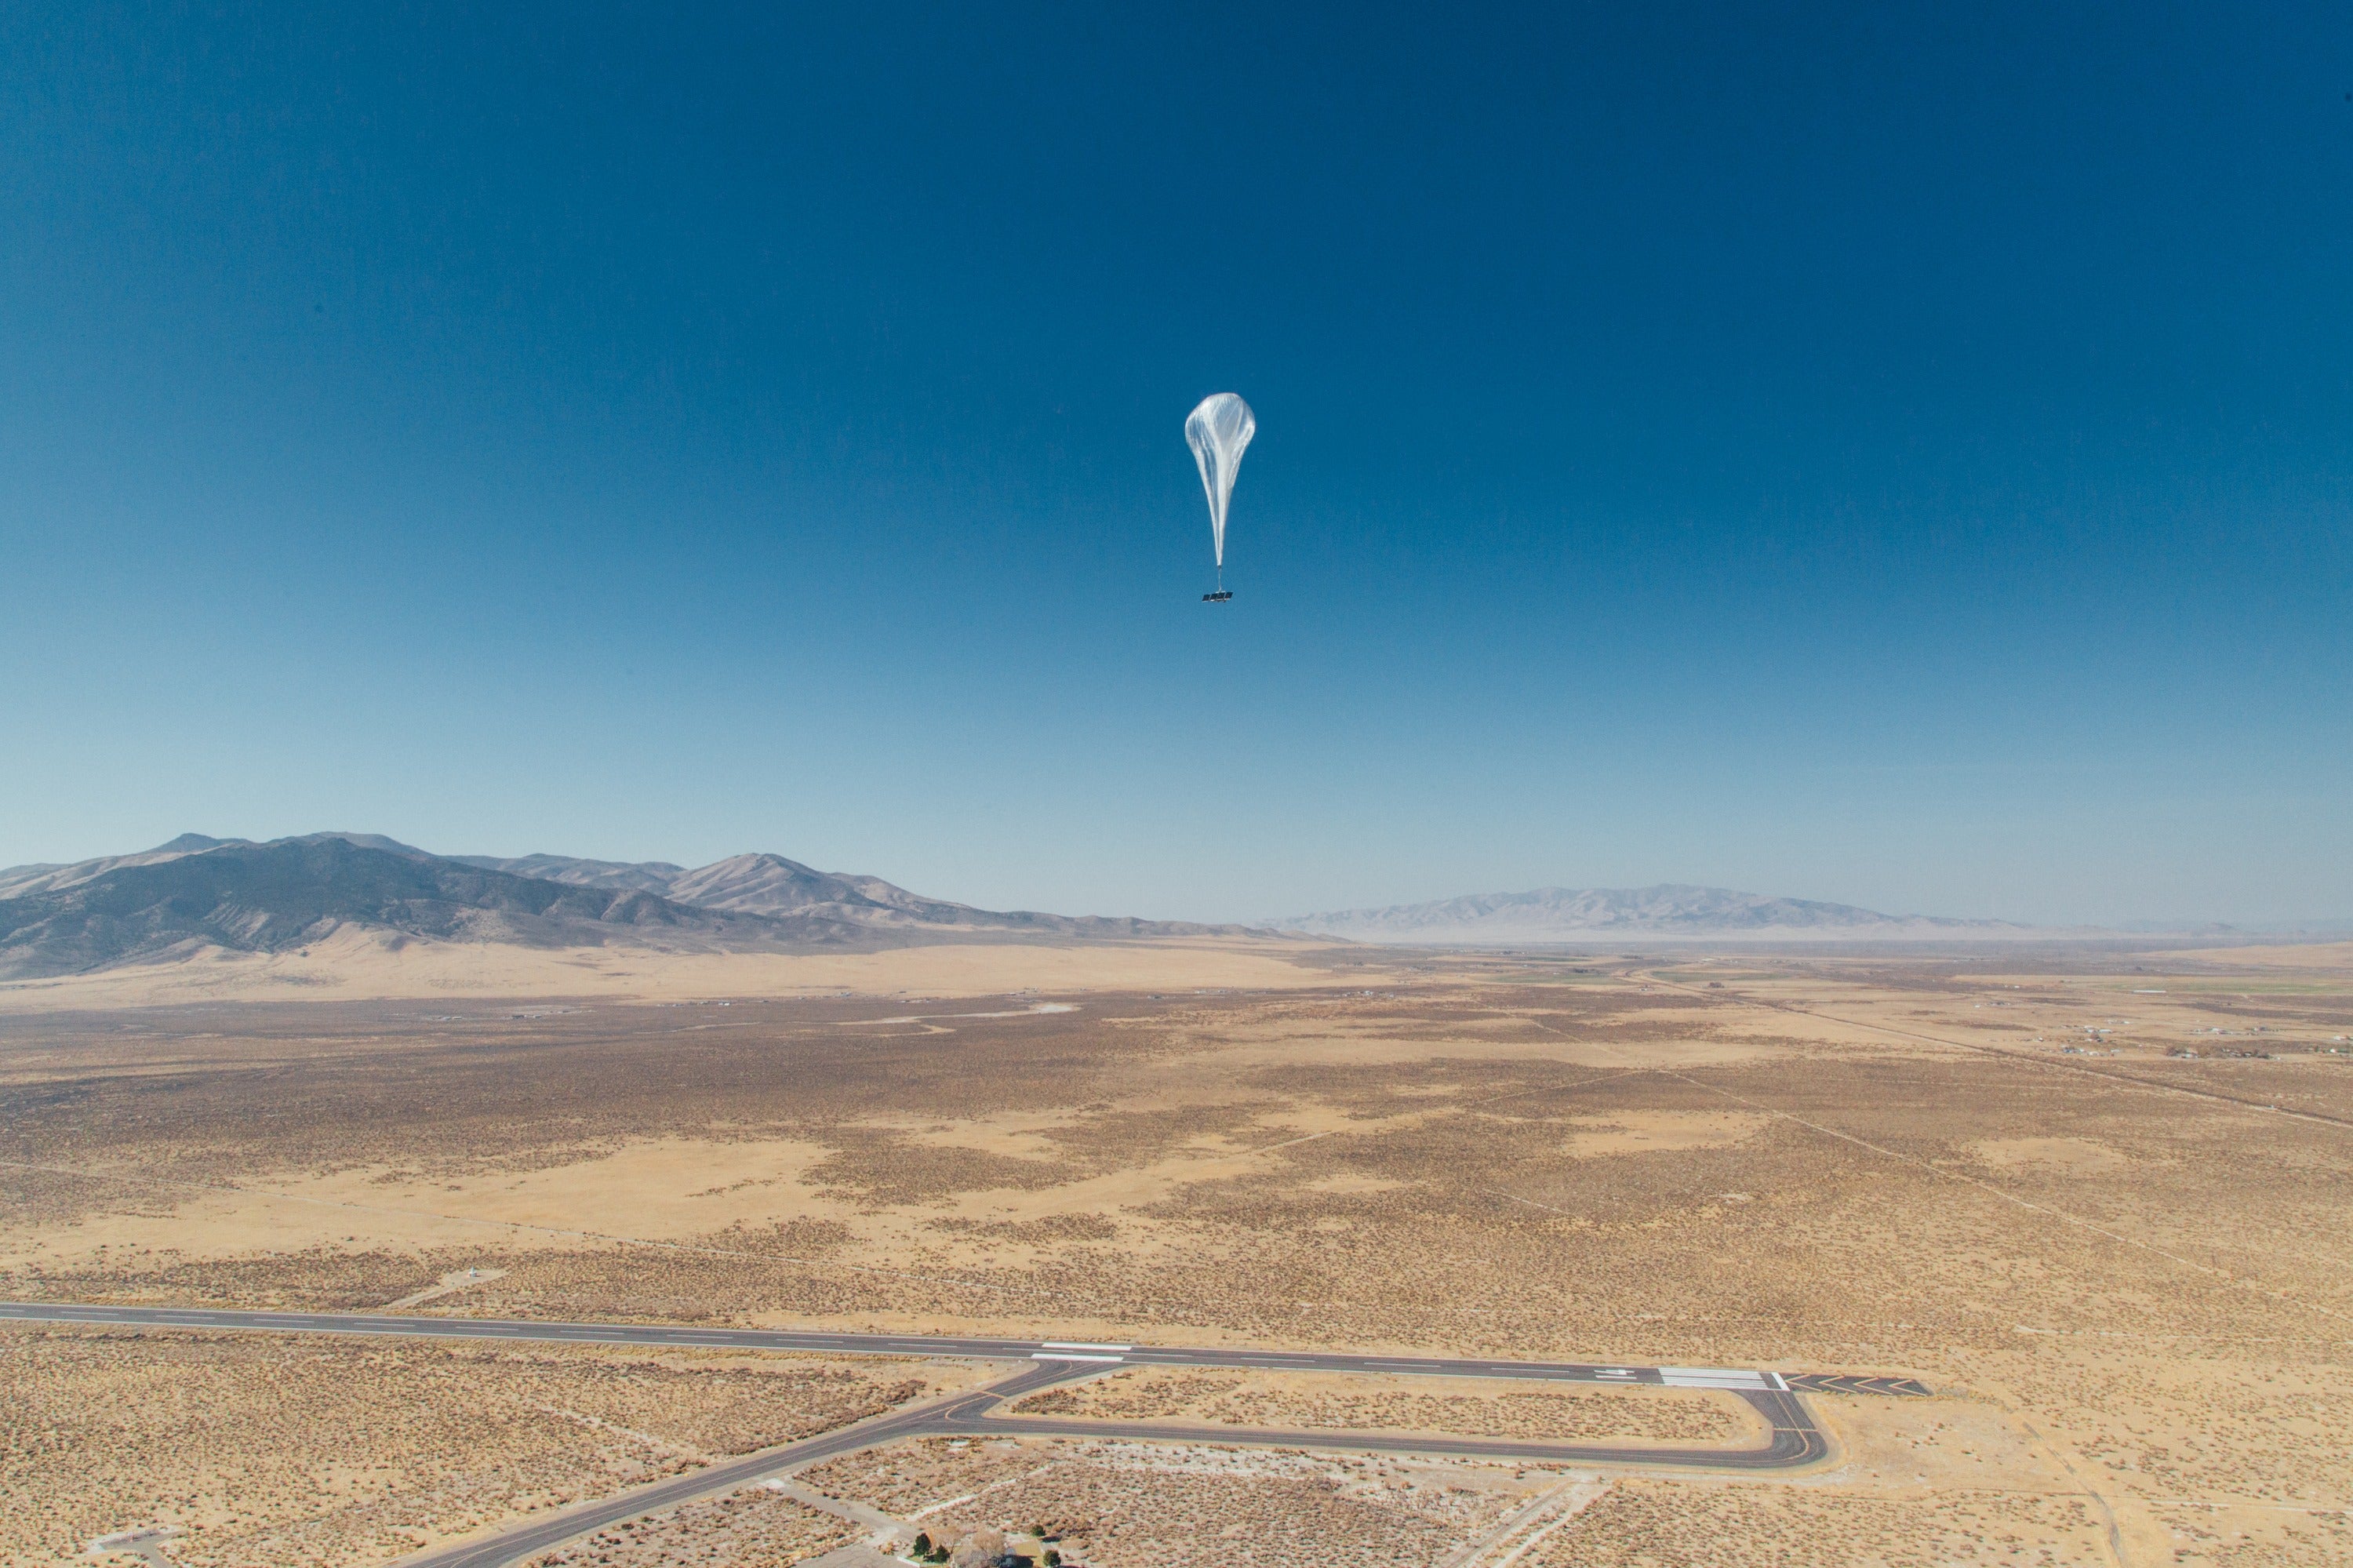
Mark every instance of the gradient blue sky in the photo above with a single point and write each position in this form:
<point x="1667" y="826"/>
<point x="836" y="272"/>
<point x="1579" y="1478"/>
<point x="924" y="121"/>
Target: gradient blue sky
<point x="1840" y="451"/>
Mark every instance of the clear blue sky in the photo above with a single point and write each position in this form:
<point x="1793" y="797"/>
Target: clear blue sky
<point x="1839" y="452"/>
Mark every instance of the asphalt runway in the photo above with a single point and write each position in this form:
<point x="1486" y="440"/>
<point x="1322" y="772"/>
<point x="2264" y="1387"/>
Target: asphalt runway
<point x="1794" y="1439"/>
<point x="1733" y="1380"/>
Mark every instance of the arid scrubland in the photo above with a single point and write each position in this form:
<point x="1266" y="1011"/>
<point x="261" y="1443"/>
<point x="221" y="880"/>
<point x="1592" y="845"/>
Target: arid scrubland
<point x="331" y="1451"/>
<point x="750" y="1526"/>
<point x="1130" y="1505"/>
<point x="2051" y="1184"/>
<point x="1467" y="1407"/>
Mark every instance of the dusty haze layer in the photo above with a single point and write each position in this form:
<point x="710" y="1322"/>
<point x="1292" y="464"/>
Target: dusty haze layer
<point x="1670" y="911"/>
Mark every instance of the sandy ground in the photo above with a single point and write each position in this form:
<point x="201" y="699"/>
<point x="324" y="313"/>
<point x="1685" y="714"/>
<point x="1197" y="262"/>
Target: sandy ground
<point x="361" y="965"/>
<point x="2094" y="1200"/>
<point x="752" y="1526"/>
<point x="2327" y="957"/>
<point x="1475" y="1407"/>
<point x="266" y="1456"/>
<point x="1132" y="1505"/>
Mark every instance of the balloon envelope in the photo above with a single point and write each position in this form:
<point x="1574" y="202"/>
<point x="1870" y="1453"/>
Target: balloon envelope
<point x="1218" y="432"/>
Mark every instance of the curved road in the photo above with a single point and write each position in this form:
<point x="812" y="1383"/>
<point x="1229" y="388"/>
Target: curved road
<point x="1794" y="1439"/>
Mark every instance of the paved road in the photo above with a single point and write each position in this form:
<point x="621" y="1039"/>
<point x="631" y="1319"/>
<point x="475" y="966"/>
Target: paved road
<point x="1733" y="1379"/>
<point x="1794" y="1439"/>
<point x="539" y="1535"/>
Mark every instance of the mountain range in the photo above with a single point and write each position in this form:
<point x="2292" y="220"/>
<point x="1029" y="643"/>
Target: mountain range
<point x="1670" y="909"/>
<point x="197" y="894"/>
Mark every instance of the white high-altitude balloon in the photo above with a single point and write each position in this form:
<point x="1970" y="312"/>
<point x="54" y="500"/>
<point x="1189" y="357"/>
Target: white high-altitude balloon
<point x="1218" y="432"/>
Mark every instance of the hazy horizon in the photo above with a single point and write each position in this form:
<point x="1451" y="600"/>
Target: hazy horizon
<point x="2148" y="925"/>
<point x="1890" y="459"/>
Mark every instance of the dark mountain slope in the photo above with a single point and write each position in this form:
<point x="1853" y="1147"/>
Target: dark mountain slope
<point x="646" y="876"/>
<point x="750" y="884"/>
<point x="773" y="885"/>
<point x="264" y="897"/>
<point x="198" y="894"/>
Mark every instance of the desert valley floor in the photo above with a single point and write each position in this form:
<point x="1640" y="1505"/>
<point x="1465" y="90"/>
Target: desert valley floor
<point x="2094" y="1200"/>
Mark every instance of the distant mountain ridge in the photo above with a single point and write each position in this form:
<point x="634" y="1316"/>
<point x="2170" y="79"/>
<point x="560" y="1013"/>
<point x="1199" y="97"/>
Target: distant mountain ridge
<point x="749" y="883"/>
<point x="1668" y="909"/>
<point x="198" y="894"/>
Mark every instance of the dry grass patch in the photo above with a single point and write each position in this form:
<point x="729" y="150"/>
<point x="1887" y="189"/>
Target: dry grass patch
<point x="752" y="1528"/>
<point x="270" y="1453"/>
<point x="2065" y="1156"/>
<point x="1669" y="1524"/>
<point x="1129" y="1505"/>
<point x="1465" y="1407"/>
<point x="1662" y="1132"/>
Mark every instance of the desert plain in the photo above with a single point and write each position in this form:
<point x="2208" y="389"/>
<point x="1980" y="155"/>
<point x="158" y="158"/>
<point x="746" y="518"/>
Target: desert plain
<point x="2093" y="1199"/>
